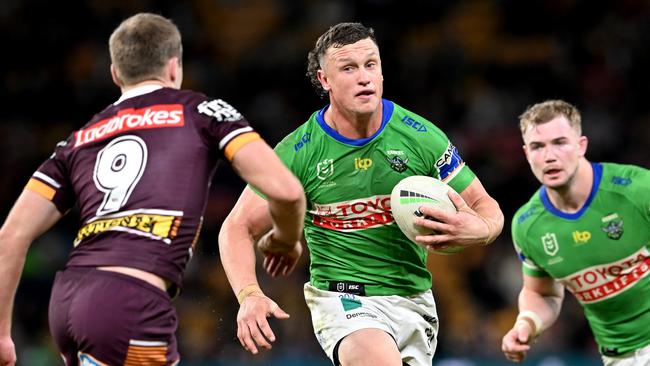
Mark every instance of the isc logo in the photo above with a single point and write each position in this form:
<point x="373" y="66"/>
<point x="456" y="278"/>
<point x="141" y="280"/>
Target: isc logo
<point x="581" y="237"/>
<point x="414" y="124"/>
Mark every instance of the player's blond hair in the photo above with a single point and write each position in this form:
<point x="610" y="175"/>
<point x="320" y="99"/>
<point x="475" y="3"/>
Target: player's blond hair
<point x="544" y="112"/>
<point x="141" y="46"/>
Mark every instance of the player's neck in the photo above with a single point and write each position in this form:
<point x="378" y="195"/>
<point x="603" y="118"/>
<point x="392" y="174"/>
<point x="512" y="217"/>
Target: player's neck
<point x="571" y="197"/>
<point x="161" y="83"/>
<point x="353" y="125"/>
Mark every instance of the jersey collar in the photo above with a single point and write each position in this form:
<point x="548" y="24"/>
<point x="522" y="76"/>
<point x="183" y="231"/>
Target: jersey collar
<point x="543" y="195"/>
<point x="144" y="89"/>
<point x="386" y="114"/>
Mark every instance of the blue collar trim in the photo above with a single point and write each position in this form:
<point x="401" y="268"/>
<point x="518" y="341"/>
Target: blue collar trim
<point x="386" y="113"/>
<point x="543" y="195"/>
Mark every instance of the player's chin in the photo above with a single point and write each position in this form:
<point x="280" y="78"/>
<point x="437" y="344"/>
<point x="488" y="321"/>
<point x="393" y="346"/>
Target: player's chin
<point x="555" y="180"/>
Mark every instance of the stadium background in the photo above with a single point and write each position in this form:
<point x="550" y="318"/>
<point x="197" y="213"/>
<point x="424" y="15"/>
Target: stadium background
<point x="470" y="66"/>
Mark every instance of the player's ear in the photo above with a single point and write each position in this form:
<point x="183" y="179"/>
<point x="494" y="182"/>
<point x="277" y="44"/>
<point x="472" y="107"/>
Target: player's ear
<point x="525" y="148"/>
<point x="175" y="71"/>
<point x="583" y="141"/>
<point x="320" y="74"/>
<point x="115" y="76"/>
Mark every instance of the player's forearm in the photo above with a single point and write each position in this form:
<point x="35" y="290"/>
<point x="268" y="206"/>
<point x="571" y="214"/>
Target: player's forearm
<point x="541" y="310"/>
<point x="237" y="255"/>
<point x="489" y="211"/>
<point x="288" y="217"/>
<point x="12" y="258"/>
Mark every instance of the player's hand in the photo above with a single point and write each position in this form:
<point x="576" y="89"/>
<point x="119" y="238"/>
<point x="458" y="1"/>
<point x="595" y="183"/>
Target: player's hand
<point x="516" y="342"/>
<point x="279" y="257"/>
<point x="462" y="228"/>
<point x="253" y="329"/>
<point x="7" y="352"/>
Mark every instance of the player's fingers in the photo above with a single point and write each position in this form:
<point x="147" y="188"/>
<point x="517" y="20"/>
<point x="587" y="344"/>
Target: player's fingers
<point x="434" y="239"/>
<point x="257" y="335"/>
<point x="434" y="212"/>
<point x="277" y="266"/>
<point x="271" y="263"/>
<point x="288" y="269"/>
<point x="277" y="312"/>
<point x="243" y="333"/>
<point x="432" y="224"/>
<point x="267" y="332"/>
<point x="457" y="200"/>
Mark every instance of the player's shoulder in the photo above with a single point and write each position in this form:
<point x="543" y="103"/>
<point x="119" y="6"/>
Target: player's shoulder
<point x="410" y="121"/>
<point x="624" y="174"/>
<point x="528" y="213"/>
<point x="300" y="139"/>
<point x="625" y="179"/>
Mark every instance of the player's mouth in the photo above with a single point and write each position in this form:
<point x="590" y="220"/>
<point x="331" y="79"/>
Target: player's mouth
<point x="552" y="172"/>
<point x="365" y="94"/>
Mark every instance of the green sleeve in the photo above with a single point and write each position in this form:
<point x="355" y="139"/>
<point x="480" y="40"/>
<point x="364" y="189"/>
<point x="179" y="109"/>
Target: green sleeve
<point x="518" y="230"/>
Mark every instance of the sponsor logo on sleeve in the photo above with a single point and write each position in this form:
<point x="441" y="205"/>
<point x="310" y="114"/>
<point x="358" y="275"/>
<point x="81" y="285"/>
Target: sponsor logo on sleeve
<point x="604" y="281"/>
<point x="449" y="164"/>
<point x="219" y="110"/>
<point x="528" y="213"/>
<point x="130" y="119"/>
<point x="621" y="181"/>
<point x="305" y="139"/>
<point x="418" y="126"/>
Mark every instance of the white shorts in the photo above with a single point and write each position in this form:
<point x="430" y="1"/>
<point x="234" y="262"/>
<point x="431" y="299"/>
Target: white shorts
<point x="640" y="357"/>
<point x="412" y="321"/>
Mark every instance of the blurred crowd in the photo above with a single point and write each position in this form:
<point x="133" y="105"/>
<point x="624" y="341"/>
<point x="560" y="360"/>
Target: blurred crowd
<point x="470" y="66"/>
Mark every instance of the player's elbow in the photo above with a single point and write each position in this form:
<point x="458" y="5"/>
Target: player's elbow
<point x="289" y="193"/>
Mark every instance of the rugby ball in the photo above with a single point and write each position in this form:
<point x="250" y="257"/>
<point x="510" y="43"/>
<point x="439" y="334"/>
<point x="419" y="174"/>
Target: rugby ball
<point x="409" y="195"/>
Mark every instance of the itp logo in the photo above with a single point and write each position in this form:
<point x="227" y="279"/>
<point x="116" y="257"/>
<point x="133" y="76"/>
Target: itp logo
<point x="362" y="163"/>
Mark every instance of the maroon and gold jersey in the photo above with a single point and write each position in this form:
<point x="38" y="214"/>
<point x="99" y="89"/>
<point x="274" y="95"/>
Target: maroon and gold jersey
<point x="140" y="172"/>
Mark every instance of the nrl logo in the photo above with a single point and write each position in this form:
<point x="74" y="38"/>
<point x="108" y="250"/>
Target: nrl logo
<point x="397" y="163"/>
<point x="549" y="242"/>
<point x="325" y="169"/>
<point x="613" y="226"/>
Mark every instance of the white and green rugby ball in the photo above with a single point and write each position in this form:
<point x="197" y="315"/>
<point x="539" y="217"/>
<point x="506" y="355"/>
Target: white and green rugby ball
<point x="416" y="191"/>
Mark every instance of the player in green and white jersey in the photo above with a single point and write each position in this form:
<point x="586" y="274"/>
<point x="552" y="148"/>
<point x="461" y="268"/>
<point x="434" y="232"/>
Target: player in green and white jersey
<point x="369" y="292"/>
<point x="587" y="230"/>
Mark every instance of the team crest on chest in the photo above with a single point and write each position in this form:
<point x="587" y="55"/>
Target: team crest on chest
<point x="612" y="225"/>
<point x="549" y="242"/>
<point x="397" y="160"/>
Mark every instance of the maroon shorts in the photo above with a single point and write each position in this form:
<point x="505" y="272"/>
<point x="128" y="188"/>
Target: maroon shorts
<point x="107" y="318"/>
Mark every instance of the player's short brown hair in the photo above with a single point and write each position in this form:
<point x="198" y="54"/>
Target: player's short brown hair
<point x="336" y="36"/>
<point x="543" y="112"/>
<point x="141" y="46"/>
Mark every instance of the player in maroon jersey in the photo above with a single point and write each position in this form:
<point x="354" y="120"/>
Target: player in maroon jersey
<point x="140" y="172"/>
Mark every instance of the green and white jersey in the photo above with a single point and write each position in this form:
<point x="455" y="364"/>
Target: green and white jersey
<point x="600" y="253"/>
<point x="349" y="228"/>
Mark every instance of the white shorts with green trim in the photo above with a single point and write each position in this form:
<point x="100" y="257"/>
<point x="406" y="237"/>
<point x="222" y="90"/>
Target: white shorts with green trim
<point x="412" y="321"/>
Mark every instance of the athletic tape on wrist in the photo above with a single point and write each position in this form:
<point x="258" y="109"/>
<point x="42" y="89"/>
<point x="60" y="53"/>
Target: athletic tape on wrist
<point x="534" y="318"/>
<point x="252" y="289"/>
